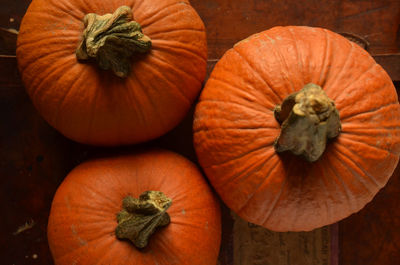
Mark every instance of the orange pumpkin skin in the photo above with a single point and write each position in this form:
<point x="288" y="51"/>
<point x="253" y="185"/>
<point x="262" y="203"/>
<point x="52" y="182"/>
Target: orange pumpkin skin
<point x="94" y="106"/>
<point x="83" y="213"/>
<point x="235" y="129"/>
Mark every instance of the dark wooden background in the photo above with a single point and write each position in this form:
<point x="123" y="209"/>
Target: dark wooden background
<point x="34" y="158"/>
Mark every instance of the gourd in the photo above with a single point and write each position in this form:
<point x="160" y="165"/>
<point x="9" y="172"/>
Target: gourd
<point x="297" y="128"/>
<point x="111" y="73"/>
<point x="150" y="207"/>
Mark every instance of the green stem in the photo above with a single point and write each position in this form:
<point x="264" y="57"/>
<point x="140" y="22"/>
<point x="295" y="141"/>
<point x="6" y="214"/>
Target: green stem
<point x="308" y="119"/>
<point x="139" y="218"/>
<point x="111" y="40"/>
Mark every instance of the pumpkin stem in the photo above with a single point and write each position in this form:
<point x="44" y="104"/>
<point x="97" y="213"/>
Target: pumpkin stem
<point x="308" y="118"/>
<point x="139" y="218"/>
<point x="111" y="40"/>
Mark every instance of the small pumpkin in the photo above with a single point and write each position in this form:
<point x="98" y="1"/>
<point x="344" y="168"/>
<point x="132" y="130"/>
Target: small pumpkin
<point x="155" y="52"/>
<point x="297" y="128"/>
<point x="151" y="207"/>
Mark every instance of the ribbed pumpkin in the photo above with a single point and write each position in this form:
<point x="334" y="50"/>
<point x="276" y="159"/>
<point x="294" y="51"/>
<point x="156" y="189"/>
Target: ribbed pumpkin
<point x="260" y="99"/>
<point x="83" y="219"/>
<point x="156" y="66"/>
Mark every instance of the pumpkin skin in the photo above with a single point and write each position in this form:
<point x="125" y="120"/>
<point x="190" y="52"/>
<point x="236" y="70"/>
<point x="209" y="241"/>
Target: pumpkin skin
<point x="235" y="129"/>
<point x="83" y="213"/>
<point x="93" y="106"/>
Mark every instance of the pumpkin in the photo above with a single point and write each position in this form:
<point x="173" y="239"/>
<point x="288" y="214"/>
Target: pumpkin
<point x="297" y="128"/>
<point x="154" y="52"/>
<point x="150" y="207"/>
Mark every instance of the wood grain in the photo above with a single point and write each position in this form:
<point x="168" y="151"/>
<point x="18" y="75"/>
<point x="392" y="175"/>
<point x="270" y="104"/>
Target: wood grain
<point x="255" y="245"/>
<point x="227" y="22"/>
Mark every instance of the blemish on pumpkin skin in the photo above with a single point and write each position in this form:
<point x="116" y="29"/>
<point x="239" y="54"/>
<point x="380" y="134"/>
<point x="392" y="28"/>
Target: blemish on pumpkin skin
<point x="206" y="226"/>
<point x="271" y="39"/>
<point x="183" y="211"/>
<point x="82" y="242"/>
<point x="67" y="202"/>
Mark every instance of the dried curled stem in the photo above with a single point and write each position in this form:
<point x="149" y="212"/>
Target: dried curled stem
<point x="308" y="119"/>
<point x="140" y="217"/>
<point x="111" y="40"/>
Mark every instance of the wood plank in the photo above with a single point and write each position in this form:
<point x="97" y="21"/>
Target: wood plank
<point x="228" y="22"/>
<point x="255" y="245"/>
<point x="9" y="74"/>
<point x="372" y="235"/>
<point x="391" y="63"/>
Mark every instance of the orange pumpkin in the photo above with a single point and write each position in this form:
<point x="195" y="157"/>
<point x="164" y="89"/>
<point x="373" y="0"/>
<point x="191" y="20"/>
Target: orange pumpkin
<point x="264" y="99"/>
<point x="83" y="224"/>
<point x="157" y="64"/>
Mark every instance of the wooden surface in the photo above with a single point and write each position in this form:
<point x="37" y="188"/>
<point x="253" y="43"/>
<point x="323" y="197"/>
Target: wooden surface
<point x="35" y="158"/>
<point x="253" y="245"/>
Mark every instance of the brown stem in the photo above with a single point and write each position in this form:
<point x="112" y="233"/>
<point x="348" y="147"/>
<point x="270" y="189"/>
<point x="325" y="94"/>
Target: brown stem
<point x="361" y="41"/>
<point x="140" y="218"/>
<point x="308" y="118"/>
<point x="111" y="40"/>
